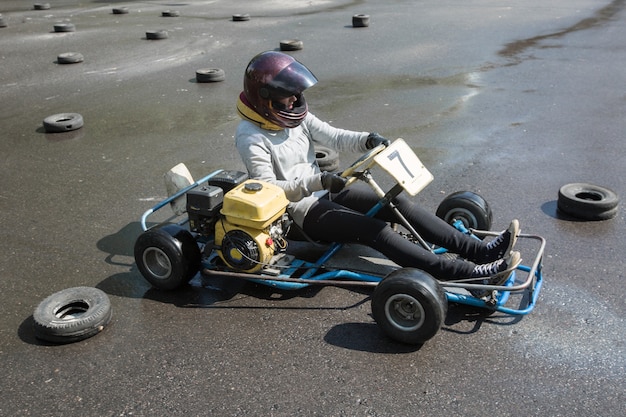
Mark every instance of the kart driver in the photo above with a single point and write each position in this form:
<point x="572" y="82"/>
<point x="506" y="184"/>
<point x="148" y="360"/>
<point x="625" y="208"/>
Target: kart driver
<point x="276" y="141"/>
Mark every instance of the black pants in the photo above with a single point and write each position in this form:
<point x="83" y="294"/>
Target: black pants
<point x="341" y="219"/>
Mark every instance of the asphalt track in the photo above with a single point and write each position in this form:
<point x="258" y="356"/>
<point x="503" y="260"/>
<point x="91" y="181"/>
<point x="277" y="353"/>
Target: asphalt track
<point x="508" y="99"/>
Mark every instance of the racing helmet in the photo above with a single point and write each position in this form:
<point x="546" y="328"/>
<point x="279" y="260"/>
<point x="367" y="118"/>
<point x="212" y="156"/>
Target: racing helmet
<point x="274" y="75"/>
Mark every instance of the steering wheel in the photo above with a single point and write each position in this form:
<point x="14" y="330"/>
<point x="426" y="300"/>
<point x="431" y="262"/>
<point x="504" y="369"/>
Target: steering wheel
<point x="365" y="161"/>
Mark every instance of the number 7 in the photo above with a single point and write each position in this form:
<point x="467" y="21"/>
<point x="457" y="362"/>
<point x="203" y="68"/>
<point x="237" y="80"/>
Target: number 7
<point x="395" y="154"/>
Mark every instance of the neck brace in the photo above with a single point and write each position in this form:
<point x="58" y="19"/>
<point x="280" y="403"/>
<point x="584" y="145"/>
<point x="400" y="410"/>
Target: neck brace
<point x="247" y="113"/>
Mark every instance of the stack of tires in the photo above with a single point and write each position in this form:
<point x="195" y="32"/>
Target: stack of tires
<point x="587" y="201"/>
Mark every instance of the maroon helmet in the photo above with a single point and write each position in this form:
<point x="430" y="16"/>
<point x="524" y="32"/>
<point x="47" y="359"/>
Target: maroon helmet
<point x="274" y="75"/>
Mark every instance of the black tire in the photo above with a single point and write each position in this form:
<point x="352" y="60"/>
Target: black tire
<point x="327" y="159"/>
<point x="291" y="45"/>
<point x="63" y="122"/>
<point x="409" y="305"/>
<point x="210" y="75"/>
<point x="360" y="20"/>
<point x="70" y="58"/>
<point x="167" y="256"/>
<point x="170" y="13"/>
<point x="120" y="10"/>
<point x="587" y="201"/>
<point x="241" y="17"/>
<point x="468" y="207"/>
<point x="64" y="27"/>
<point x="72" y="314"/>
<point x="156" y="34"/>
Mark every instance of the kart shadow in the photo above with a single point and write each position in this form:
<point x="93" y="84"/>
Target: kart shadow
<point x="120" y="243"/>
<point x="458" y="313"/>
<point x="222" y="292"/>
<point x="365" y="337"/>
<point x="215" y="292"/>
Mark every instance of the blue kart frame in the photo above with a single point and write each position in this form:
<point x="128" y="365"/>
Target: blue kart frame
<point x="405" y="303"/>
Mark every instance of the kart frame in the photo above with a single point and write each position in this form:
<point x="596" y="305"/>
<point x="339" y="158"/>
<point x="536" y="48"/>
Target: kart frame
<point x="290" y="273"/>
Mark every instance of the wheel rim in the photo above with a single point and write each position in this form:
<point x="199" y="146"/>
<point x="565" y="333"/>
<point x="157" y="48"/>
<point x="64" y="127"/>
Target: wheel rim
<point x="157" y="263"/>
<point x="466" y="216"/>
<point x="404" y="312"/>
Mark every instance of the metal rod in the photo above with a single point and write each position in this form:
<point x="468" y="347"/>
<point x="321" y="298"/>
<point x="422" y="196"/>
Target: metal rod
<point x="387" y="199"/>
<point x="330" y="282"/>
<point x="173" y="197"/>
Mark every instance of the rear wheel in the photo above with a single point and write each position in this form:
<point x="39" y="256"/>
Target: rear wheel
<point x="167" y="256"/>
<point x="468" y="207"/>
<point x="409" y="305"/>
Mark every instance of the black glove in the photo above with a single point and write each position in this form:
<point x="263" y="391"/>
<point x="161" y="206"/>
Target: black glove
<point x="374" y="139"/>
<point x="333" y="182"/>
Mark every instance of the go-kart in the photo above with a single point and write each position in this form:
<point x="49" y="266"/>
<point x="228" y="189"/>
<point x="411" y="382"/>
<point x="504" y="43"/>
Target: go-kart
<point x="238" y="227"/>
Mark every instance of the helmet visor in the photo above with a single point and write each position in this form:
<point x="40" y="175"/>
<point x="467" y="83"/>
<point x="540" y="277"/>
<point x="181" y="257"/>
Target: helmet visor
<point x="291" y="81"/>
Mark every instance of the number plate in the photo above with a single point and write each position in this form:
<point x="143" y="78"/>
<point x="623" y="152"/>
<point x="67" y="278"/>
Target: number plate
<point x="404" y="166"/>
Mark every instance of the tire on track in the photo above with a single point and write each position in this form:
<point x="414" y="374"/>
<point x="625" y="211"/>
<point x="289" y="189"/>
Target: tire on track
<point x="70" y="58"/>
<point x="327" y="159"/>
<point x="63" y="122"/>
<point x="360" y="20"/>
<point x="587" y="201"/>
<point x="72" y="314"/>
<point x="64" y="27"/>
<point x="156" y="34"/>
<point x="291" y="45"/>
<point x="210" y="75"/>
<point x="241" y="17"/>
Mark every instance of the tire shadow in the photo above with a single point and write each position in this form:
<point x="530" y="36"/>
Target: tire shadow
<point x="365" y="337"/>
<point x="26" y="333"/>
<point x="550" y="208"/>
<point x="76" y="134"/>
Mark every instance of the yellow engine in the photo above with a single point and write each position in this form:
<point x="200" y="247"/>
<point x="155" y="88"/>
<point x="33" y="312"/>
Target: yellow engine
<point x="252" y="225"/>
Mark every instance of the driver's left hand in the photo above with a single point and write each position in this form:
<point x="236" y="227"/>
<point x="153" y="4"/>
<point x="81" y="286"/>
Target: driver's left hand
<point x="374" y="139"/>
<point x="333" y="182"/>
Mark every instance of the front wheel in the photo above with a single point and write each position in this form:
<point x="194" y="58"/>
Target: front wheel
<point x="409" y="305"/>
<point x="167" y="256"/>
<point x="468" y="207"/>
